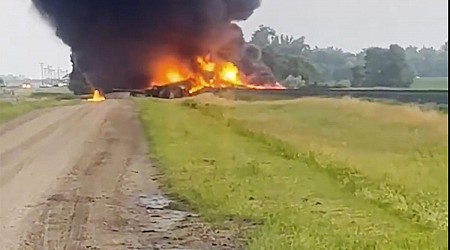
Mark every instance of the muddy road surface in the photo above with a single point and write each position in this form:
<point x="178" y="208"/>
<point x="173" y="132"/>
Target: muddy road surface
<point x="79" y="177"/>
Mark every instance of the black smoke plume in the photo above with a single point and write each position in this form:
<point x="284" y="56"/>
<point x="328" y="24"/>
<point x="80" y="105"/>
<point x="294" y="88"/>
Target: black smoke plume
<point x="115" y="42"/>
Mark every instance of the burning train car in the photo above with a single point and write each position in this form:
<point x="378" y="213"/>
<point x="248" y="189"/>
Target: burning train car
<point x="168" y="48"/>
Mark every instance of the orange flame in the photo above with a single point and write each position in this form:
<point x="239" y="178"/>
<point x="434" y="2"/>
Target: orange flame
<point x="210" y="75"/>
<point x="229" y="73"/>
<point x="205" y="64"/>
<point x="97" y="97"/>
<point x="168" y="71"/>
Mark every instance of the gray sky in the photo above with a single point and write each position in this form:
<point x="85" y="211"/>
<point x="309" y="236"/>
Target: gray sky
<point x="26" y="40"/>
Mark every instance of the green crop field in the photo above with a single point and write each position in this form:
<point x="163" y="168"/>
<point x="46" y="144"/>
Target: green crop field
<point x="308" y="174"/>
<point x="430" y="83"/>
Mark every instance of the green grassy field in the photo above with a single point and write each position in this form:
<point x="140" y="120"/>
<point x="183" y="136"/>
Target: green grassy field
<point x="25" y="101"/>
<point x="430" y="83"/>
<point x="310" y="173"/>
<point x="420" y="83"/>
<point x="11" y="110"/>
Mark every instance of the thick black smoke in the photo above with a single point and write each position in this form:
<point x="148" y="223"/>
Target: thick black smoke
<point x="115" y="42"/>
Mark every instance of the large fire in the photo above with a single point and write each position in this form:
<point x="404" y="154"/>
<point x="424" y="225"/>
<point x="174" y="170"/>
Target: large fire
<point x="205" y="73"/>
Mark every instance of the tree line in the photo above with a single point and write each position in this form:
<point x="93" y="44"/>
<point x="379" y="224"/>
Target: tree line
<point x="297" y="63"/>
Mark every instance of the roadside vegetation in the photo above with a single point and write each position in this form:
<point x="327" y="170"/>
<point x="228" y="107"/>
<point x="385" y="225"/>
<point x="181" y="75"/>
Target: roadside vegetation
<point x="310" y="173"/>
<point x="54" y="95"/>
<point x="11" y="110"/>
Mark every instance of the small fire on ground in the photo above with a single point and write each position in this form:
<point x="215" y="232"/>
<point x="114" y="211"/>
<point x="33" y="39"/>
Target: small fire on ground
<point x="97" y="97"/>
<point x="203" y="74"/>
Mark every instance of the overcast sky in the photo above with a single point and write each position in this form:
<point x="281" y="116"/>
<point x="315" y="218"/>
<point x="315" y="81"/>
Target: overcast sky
<point x="25" y="40"/>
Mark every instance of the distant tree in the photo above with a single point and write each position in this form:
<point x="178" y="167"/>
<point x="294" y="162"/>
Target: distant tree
<point x="375" y="66"/>
<point x="428" y="62"/>
<point x="290" y="45"/>
<point x="393" y="67"/>
<point x="413" y="57"/>
<point x="342" y="74"/>
<point x="263" y="36"/>
<point x="358" y="76"/>
<point x="442" y="61"/>
<point x="400" y="73"/>
<point x="333" y="64"/>
<point x="1" y="81"/>
<point x="387" y="67"/>
<point x="445" y="47"/>
<point x="360" y="58"/>
<point x="284" y="55"/>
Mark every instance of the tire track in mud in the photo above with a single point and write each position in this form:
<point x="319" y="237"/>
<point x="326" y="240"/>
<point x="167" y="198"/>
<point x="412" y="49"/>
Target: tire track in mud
<point x="33" y="131"/>
<point x="80" y="186"/>
<point x="10" y="151"/>
<point x="30" y="164"/>
<point x="65" y="216"/>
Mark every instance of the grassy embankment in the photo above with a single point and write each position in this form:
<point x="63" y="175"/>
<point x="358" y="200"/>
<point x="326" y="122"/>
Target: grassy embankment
<point x="312" y="173"/>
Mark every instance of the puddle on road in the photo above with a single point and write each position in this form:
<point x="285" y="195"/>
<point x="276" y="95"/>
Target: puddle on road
<point x="172" y="229"/>
<point x="156" y="201"/>
<point x="162" y="218"/>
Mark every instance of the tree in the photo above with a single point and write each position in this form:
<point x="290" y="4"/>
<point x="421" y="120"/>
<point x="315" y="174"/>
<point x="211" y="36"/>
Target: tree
<point x="375" y="67"/>
<point x="290" y="45"/>
<point x="263" y="36"/>
<point x="358" y="76"/>
<point x="342" y="73"/>
<point x="387" y="67"/>
<point x="1" y="81"/>
<point x="284" y="55"/>
<point x="442" y="61"/>
<point x="393" y="67"/>
<point x="428" y="62"/>
<point x="445" y="47"/>
<point x="333" y="64"/>
<point x="399" y="72"/>
<point x="413" y="57"/>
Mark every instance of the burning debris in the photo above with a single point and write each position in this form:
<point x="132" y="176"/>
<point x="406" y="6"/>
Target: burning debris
<point x="171" y="48"/>
<point x="207" y="73"/>
<point x="97" y="97"/>
<point x="170" y="91"/>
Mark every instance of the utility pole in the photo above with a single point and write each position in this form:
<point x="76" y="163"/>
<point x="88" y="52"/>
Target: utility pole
<point x="47" y="73"/>
<point x="42" y="74"/>
<point x="50" y="71"/>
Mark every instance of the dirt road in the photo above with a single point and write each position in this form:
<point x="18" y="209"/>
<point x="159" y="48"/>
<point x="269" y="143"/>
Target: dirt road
<point x="79" y="177"/>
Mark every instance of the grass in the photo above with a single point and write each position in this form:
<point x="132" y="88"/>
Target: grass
<point x="430" y="83"/>
<point x="54" y="95"/>
<point x="311" y="173"/>
<point x="11" y="110"/>
<point x="419" y="83"/>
